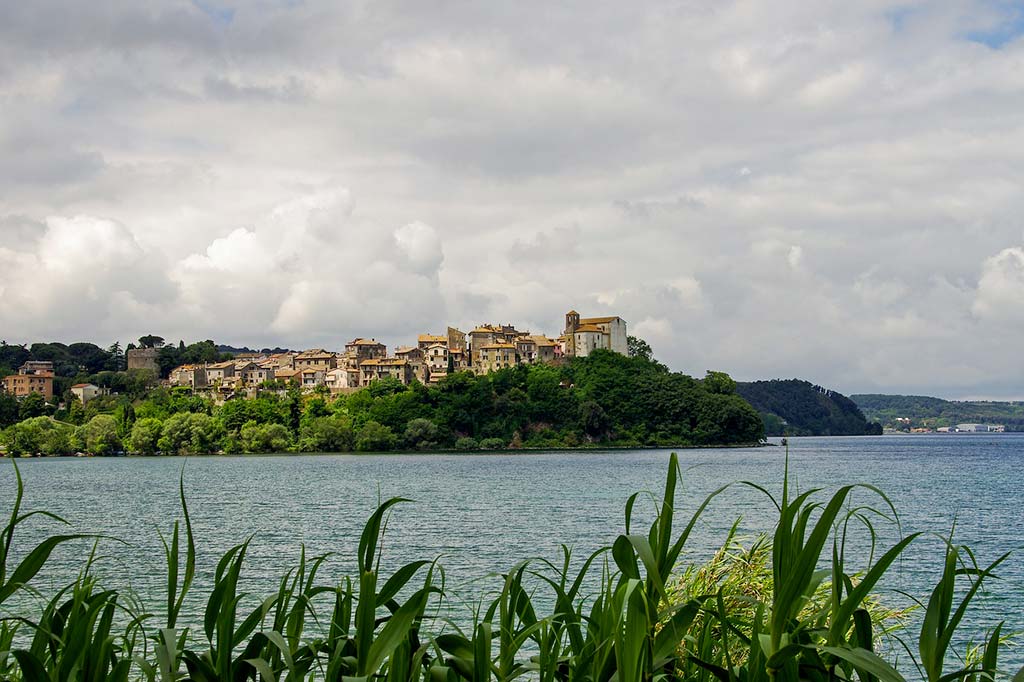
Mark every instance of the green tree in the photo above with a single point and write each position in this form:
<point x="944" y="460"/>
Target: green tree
<point x="8" y="410"/>
<point x="719" y="382"/>
<point x="638" y="348"/>
<point x="151" y="341"/>
<point x="125" y="416"/>
<point x="99" y="435"/>
<point x="191" y="433"/>
<point x="421" y="434"/>
<point x="145" y="436"/>
<point x="332" y="433"/>
<point x="39" y="435"/>
<point x="117" y="360"/>
<point x="76" y="413"/>
<point x="32" y="405"/>
<point x="375" y="437"/>
<point x="593" y="419"/>
<point x="264" y="437"/>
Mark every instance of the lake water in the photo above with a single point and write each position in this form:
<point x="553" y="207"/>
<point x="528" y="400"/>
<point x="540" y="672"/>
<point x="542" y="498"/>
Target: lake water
<point x="481" y="513"/>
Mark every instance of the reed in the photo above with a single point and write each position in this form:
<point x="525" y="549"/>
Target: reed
<point x="785" y="608"/>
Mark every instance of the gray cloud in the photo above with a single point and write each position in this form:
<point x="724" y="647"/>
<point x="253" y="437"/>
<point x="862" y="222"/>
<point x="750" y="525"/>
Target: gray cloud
<point x="789" y="189"/>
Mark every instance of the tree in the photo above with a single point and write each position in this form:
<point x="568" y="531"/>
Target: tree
<point x="151" y="341"/>
<point x="327" y="434"/>
<point x="719" y="382"/>
<point x="40" y="435"/>
<point x="145" y="436"/>
<point x="190" y="433"/>
<point x="638" y="348"/>
<point x="32" y="405"/>
<point x="8" y="410"/>
<point x="421" y="434"/>
<point x="99" y="435"/>
<point x="264" y="437"/>
<point x="375" y="437"/>
<point x="117" y="362"/>
<point x="593" y="419"/>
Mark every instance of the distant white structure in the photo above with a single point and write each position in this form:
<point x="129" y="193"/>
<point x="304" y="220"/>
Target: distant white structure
<point x="980" y="428"/>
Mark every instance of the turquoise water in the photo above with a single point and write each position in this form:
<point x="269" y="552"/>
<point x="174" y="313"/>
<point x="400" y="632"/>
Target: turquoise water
<point x="483" y="512"/>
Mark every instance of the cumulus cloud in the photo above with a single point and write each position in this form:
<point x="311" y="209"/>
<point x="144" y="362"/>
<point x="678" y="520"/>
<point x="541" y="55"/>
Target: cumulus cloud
<point x="79" y="273"/>
<point x="1000" y="295"/>
<point x="784" y="189"/>
<point x="310" y="272"/>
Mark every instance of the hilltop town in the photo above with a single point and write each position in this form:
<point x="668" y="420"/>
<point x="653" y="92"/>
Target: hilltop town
<point x="363" y="361"/>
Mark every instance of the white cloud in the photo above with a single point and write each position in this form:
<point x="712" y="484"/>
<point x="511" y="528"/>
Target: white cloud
<point x="795" y="189"/>
<point x="1000" y="295"/>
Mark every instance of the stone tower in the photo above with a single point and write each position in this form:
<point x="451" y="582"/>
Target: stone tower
<point x="572" y="322"/>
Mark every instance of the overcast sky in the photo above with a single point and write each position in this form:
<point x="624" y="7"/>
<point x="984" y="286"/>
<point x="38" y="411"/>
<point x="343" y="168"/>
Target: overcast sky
<point x="823" y="190"/>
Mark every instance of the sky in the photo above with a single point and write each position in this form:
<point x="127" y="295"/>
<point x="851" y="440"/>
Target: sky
<point x="823" y="190"/>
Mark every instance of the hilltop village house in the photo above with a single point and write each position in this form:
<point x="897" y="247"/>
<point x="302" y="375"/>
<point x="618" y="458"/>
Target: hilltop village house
<point x="487" y="348"/>
<point x="35" y="376"/>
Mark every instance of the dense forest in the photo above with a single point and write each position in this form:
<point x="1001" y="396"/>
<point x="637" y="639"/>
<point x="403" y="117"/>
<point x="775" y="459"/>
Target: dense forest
<point x="927" y="412"/>
<point x="604" y="399"/>
<point x="792" y="407"/>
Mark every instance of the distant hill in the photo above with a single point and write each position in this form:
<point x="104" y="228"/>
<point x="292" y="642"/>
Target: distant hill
<point x="250" y="351"/>
<point x="793" y="407"/>
<point x="926" y="411"/>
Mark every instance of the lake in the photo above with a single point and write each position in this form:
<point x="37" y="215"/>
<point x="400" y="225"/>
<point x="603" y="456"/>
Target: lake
<point x="481" y="513"/>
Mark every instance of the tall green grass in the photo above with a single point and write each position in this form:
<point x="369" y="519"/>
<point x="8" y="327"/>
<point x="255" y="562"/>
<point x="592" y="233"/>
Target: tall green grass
<point x="786" y="608"/>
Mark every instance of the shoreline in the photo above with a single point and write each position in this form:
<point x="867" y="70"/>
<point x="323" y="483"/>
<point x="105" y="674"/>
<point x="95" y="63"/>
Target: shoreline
<point x="524" y="450"/>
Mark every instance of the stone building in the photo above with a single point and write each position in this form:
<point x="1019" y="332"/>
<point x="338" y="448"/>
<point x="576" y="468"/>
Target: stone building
<point x="143" y="358"/>
<point x="584" y="335"/>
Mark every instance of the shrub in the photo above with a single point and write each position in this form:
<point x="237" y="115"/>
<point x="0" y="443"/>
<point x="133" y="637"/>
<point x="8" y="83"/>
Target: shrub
<point x="493" y="444"/>
<point x="467" y="443"/>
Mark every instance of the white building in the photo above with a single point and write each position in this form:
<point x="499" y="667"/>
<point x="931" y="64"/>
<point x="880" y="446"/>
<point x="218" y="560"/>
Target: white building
<point x="86" y="392"/>
<point x="584" y="335"/>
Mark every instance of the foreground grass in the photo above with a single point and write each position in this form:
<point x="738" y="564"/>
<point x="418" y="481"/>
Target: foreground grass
<point x="785" y="608"/>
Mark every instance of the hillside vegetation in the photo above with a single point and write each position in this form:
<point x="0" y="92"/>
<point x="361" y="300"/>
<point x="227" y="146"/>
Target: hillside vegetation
<point x="929" y="412"/>
<point x="792" y="407"/>
<point x="603" y="399"/>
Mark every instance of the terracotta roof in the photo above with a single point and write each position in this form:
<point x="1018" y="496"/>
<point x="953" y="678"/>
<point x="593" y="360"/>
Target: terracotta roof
<point x="84" y="386"/>
<point x="572" y="312"/>
<point x="374" y="362"/>
<point x="498" y="345"/>
<point x="590" y="328"/>
<point x="484" y="330"/>
<point x="599" y="320"/>
<point x="222" y="365"/>
<point x="285" y="373"/>
<point x="403" y="350"/>
<point x="365" y="342"/>
<point x="422" y="338"/>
